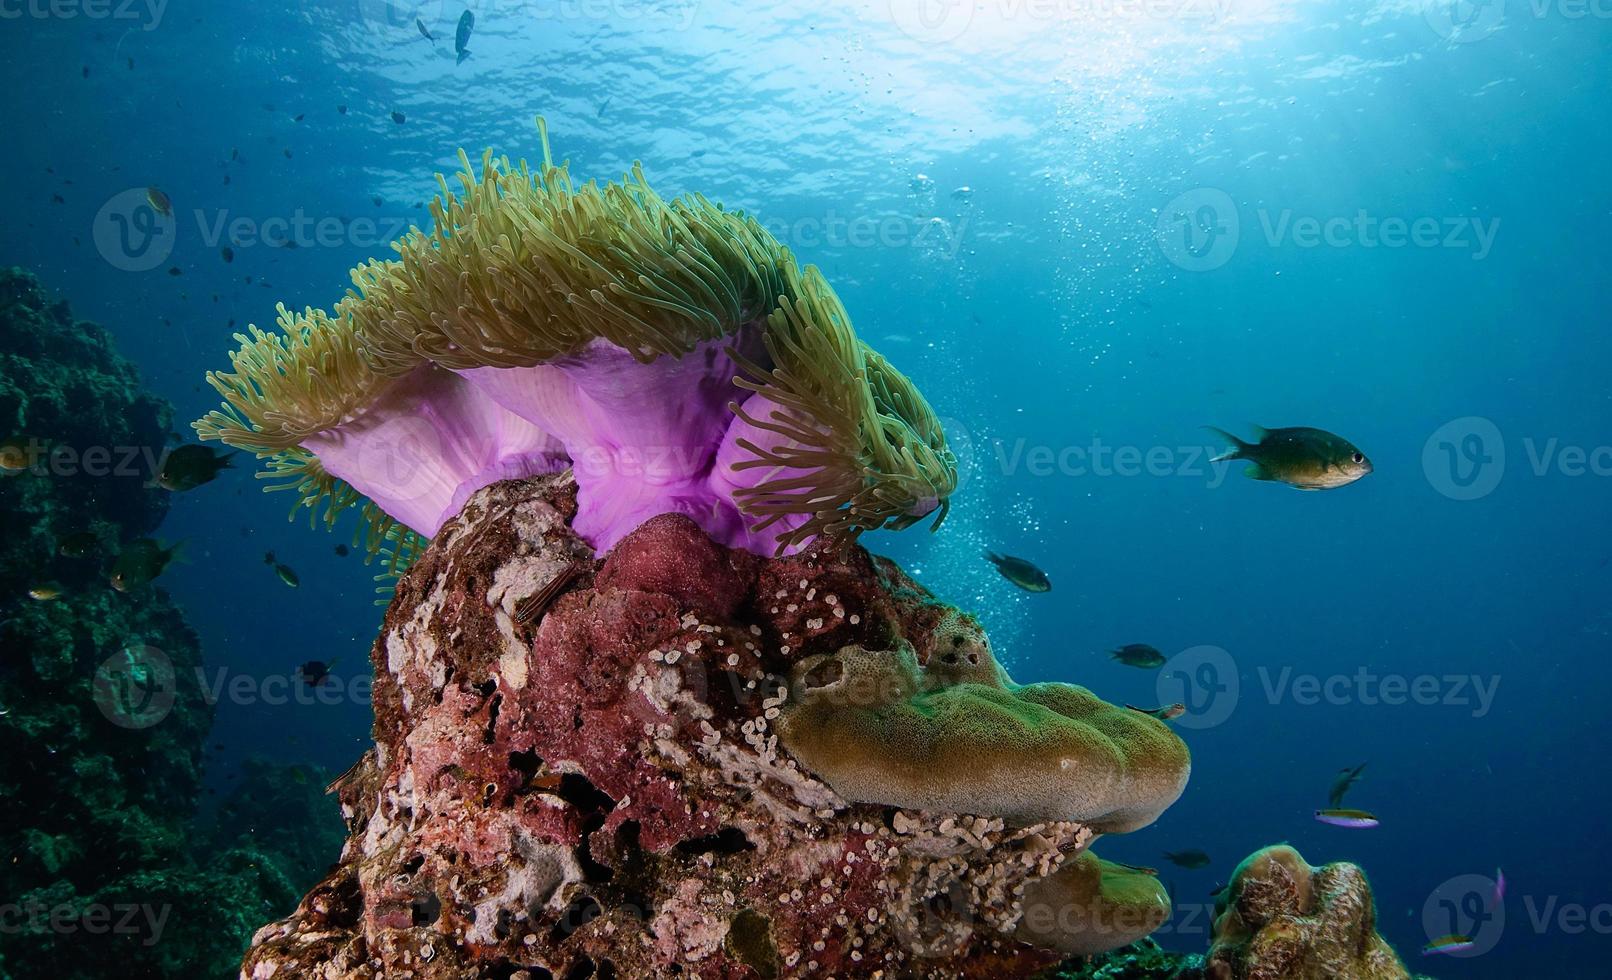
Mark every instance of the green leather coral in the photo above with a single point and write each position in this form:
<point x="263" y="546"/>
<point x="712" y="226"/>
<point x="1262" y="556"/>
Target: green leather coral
<point x="958" y="735"/>
<point x="1090" y="906"/>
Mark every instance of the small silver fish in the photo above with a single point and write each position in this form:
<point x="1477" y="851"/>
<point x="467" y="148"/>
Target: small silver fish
<point x="1354" y="819"/>
<point x="1163" y="713"/>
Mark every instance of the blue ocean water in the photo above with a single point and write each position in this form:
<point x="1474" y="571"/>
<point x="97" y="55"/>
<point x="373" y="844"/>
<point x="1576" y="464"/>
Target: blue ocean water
<point x="1086" y="229"/>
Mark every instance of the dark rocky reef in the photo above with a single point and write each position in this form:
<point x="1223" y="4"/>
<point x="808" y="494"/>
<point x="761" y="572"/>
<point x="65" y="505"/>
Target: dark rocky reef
<point x="591" y="784"/>
<point x="1141" y="960"/>
<point x="106" y="872"/>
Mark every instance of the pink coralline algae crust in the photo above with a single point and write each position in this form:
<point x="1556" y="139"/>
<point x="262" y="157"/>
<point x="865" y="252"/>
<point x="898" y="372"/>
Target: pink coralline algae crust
<point x="595" y="789"/>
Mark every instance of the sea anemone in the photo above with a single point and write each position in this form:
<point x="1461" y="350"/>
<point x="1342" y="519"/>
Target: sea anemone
<point x="673" y="354"/>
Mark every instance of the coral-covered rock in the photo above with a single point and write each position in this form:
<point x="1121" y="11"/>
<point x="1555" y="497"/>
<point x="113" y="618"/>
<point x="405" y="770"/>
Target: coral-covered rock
<point x="103" y="716"/>
<point x="587" y="781"/>
<point x="1142" y="960"/>
<point x="670" y="555"/>
<point x="92" y="801"/>
<point x="1280" y="919"/>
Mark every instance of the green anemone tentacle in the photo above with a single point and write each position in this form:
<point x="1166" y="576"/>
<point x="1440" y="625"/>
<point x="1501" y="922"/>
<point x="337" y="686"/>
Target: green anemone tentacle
<point x="522" y="267"/>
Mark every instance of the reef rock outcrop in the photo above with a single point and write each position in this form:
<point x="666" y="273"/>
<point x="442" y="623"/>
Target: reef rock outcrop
<point x="583" y="769"/>
<point x="103" y="718"/>
<point x="1141" y="960"/>
<point x="1280" y="919"/>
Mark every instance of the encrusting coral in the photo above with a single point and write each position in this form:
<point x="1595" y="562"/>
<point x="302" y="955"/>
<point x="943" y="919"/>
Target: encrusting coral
<point x="1090" y="906"/>
<point x="881" y="728"/>
<point x="1141" y="960"/>
<point x="1280" y="919"/>
<point x="542" y="326"/>
<point x="589" y="781"/>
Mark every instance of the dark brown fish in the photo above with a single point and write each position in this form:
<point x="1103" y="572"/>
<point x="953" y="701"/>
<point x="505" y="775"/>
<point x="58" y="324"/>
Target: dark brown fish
<point x="1302" y="457"/>
<point x="1022" y="573"/>
<point x="1191" y="860"/>
<point x="188" y="467"/>
<point x="314" y="672"/>
<point x="1138" y="655"/>
<point x="140" y="562"/>
<point x="83" y="544"/>
<point x="1341" y="784"/>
